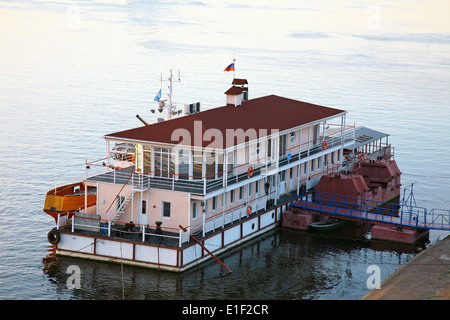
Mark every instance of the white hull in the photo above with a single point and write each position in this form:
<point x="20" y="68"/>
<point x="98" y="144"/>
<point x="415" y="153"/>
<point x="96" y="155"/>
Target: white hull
<point x="163" y="257"/>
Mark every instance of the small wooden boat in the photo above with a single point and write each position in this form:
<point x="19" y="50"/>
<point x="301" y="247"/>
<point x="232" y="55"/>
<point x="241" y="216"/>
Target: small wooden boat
<point x="329" y="224"/>
<point x="68" y="199"/>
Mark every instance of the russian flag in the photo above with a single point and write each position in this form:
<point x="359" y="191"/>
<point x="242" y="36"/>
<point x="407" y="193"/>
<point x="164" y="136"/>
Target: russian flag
<point x="229" y="68"/>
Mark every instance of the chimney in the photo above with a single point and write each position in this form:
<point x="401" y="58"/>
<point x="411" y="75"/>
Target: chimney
<point x="237" y="93"/>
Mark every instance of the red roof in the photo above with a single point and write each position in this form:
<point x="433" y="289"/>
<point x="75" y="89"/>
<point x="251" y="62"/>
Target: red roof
<point x="259" y="116"/>
<point x="239" y="81"/>
<point x="234" y="91"/>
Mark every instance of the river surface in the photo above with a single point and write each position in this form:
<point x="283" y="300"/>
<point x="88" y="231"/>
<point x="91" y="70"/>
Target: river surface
<point x="73" y="71"/>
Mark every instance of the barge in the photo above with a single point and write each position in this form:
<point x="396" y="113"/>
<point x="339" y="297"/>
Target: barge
<point x="201" y="182"/>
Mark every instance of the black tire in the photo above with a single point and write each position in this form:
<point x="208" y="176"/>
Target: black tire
<point x="54" y="237"/>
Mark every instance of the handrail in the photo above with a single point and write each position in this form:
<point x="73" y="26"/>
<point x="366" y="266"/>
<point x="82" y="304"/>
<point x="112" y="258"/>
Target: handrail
<point x="115" y="198"/>
<point x="412" y="216"/>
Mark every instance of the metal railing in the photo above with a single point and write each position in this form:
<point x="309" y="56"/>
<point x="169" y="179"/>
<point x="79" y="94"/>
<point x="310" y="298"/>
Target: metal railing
<point x="237" y="173"/>
<point x="402" y="214"/>
<point x="145" y="233"/>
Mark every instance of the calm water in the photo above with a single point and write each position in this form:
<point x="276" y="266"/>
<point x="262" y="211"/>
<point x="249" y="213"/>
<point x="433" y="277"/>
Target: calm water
<point x="72" y="71"/>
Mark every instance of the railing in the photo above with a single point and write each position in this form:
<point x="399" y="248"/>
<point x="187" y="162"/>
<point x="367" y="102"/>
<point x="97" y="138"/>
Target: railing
<point x="220" y="219"/>
<point x="438" y="219"/>
<point x="145" y="233"/>
<point x="205" y="184"/>
<point x="398" y="214"/>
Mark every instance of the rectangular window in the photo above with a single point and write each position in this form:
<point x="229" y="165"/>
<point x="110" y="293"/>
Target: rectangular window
<point x="164" y="162"/>
<point x="194" y="210"/>
<point x="165" y="209"/>
<point x="214" y="203"/>
<point x="183" y="164"/>
<point x="283" y="145"/>
<point x="144" y="206"/>
<point x="232" y="196"/>
<point x="241" y="193"/>
<point x="250" y="187"/>
<point x="256" y="187"/>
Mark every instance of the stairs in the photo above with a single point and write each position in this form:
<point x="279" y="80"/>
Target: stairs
<point x="121" y="204"/>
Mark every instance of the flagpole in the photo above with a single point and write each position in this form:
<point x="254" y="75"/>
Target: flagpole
<point x="234" y="69"/>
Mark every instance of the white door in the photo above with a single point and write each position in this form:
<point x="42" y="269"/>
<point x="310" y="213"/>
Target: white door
<point x="142" y="211"/>
<point x="282" y="182"/>
<point x="292" y="179"/>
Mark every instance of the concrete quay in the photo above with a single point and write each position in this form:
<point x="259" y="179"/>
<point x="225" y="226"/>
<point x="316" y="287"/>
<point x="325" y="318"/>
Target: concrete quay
<point x="425" y="277"/>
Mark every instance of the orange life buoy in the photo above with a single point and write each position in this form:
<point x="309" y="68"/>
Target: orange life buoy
<point x="250" y="171"/>
<point x="249" y="210"/>
<point x="133" y="158"/>
<point x="324" y="145"/>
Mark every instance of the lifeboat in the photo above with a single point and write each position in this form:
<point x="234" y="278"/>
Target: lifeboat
<point x="68" y="199"/>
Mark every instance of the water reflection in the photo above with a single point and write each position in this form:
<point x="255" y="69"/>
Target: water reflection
<point x="282" y="264"/>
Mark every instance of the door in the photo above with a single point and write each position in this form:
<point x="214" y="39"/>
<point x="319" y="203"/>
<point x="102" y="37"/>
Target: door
<point x="292" y="179"/>
<point x="282" y="182"/>
<point x="142" y="210"/>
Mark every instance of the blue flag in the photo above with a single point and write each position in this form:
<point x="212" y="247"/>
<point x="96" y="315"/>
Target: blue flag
<point x="158" y="96"/>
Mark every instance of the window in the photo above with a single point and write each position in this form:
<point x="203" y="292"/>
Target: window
<point x="183" y="164"/>
<point x="232" y="196"/>
<point x="144" y="207"/>
<point x="312" y="165"/>
<point x="214" y="203"/>
<point x="164" y="162"/>
<point x="257" y="148"/>
<point x="230" y="162"/>
<point x="210" y="162"/>
<point x="165" y="209"/>
<point x="197" y="167"/>
<point x="194" y="210"/>
<point x="241" y="193"/>
<point x="250" y="187"/>
<point x="292" y="136"/>
<point x="283" y="145"/>
<point x="256" y="187"/>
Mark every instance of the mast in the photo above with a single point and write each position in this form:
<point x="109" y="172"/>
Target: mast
<point x="169" y="116"/>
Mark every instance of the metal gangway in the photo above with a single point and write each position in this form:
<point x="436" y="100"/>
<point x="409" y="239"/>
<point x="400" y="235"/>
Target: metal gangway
<point x="405" y="213"/>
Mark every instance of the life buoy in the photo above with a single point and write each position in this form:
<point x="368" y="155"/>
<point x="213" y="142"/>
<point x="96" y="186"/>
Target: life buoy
<point x="324" y="145"/>
<point x="249" y="210"/>
<point x="54" y="237"/>
<point x="250" y="171"/>
<point x="133" y="158"/>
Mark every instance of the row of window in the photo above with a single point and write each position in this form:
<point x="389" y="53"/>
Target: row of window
<point x="166" y="206"/>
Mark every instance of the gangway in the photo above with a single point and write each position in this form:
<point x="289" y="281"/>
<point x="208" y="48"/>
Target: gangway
<point x="405" y="214"/>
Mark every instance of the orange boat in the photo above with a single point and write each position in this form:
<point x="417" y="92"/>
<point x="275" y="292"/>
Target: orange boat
<point x="69" y="198"/>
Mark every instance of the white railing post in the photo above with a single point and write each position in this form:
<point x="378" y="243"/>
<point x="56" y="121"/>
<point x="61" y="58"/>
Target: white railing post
<point x="73" y="223"/>
<point x="109" y="228"/>
<point x="143" y="233"/>
<point x="57" y="222"/>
